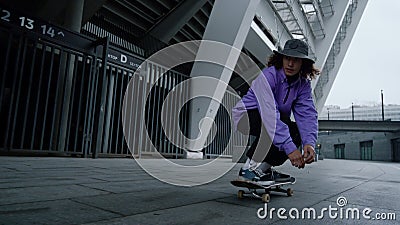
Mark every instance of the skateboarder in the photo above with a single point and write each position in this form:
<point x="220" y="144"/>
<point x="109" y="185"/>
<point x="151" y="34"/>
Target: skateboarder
<point x="288" y="75"/>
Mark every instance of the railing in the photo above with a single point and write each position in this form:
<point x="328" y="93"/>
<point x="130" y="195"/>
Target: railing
<point x="47" y="93"/>
<point x="56" y="97"/>
<point x="225" y="138"/>
<point x="65" y="94"/>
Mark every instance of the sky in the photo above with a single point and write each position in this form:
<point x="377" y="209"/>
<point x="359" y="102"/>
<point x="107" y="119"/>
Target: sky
<point x="372" y="62"/>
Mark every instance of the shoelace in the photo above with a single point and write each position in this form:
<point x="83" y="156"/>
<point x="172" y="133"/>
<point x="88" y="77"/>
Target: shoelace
<point x="273" y="171"/>
<point x="272" y="174"/>
<point x="259" y="173"/>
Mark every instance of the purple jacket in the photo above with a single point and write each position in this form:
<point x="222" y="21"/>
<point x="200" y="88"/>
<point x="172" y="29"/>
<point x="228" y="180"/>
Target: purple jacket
<point x="272" y="87"/>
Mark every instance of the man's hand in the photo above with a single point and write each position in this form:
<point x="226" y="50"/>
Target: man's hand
<point x="309" y="154"/>
<point x="297" y="159"/>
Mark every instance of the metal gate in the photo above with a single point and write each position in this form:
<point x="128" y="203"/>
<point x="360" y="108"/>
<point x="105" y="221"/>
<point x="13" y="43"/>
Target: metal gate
<point x="48" y="93"/>
<point x="65" y="96"/>
<point x="58" y="97"/>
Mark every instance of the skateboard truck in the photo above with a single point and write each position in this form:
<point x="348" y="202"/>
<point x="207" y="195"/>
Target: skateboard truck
<point x="265" y="197"/>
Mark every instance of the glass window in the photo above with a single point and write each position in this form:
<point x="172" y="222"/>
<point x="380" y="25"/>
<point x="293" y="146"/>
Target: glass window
<point x="339" y="151"/>
<point x="366" y="150"/>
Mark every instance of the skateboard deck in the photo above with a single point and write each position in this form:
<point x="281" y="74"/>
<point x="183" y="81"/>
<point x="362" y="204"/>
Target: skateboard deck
<point x="253" y="187"/>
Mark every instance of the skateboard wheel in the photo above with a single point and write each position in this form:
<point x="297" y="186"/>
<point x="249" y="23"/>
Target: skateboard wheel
<point x="265" y="198"/>
<point x="289" y="192"/>
<point x="240" y="194"/>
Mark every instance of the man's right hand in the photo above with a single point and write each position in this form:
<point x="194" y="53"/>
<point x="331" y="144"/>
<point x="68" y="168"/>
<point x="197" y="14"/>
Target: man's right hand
<point x="296" y="158"/>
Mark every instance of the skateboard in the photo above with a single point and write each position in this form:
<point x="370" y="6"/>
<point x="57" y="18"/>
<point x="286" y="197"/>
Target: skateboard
<point x="265" y="197"/>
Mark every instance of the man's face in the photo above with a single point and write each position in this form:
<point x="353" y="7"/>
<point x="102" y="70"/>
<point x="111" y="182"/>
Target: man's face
<point x="291" y="65"/>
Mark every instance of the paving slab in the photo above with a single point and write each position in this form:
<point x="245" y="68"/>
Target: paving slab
<point x="202" y="213"/>
<point x="150" y="200"/>
<point x="38" y="194"/>
<point x="52" y="212"/>
<point x="62" y="190"/>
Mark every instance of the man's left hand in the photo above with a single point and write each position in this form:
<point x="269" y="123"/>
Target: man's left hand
<point x="309" y="154"/>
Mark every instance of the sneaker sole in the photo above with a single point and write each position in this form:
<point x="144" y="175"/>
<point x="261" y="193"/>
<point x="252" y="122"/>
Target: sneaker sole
<point x="265" y="183"/>
<point x="283" y="179"/>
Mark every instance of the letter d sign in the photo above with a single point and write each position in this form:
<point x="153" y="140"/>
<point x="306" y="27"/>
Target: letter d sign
<point x="124" y="59"/>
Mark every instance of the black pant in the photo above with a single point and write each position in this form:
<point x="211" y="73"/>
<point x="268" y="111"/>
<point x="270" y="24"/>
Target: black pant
<point x="274" y="156"/>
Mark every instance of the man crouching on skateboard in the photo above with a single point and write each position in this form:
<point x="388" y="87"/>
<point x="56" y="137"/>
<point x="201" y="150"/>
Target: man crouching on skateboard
<point x="289" y="75"/>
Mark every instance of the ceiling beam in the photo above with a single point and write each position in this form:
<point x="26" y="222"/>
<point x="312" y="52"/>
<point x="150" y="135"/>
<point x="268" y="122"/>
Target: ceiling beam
<point x="166" y="28"/>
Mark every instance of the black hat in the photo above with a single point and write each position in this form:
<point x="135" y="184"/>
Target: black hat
<point x="295" y="48"/>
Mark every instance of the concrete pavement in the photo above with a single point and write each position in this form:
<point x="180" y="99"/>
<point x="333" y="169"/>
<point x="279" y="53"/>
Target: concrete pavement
<point x="56" y="190"/>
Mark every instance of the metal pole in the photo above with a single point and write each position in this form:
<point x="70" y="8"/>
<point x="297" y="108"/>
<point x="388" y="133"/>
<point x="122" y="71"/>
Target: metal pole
<point x="383" y="113"/>
<point x="72" y="21"/>
<point x="102" y="106"/>
<point x="328" y="114"/>
<point x="352" y="111"/>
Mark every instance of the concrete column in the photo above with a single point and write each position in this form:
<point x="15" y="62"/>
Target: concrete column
<point x="74" y="14"/>
<point x="72" y="21"/>
<point x="229" y="23"/>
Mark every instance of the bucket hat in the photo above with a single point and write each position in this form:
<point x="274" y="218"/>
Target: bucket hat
<point x="295" y="48"/>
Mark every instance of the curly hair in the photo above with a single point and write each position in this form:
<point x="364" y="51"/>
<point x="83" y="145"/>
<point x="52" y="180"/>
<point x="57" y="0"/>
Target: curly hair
<point x="307" y="70"/>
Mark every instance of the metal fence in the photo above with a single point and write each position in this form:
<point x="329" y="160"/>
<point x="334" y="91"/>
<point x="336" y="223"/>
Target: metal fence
<point x="57" y="97"/>
<point x="226" y="140"/>
<point x="143" y="115"/>
<point x="48" y="94"/>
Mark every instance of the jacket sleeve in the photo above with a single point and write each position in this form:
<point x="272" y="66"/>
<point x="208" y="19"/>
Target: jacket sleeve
<point x="306" y="115"/>
<point x="263" y="88"/>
